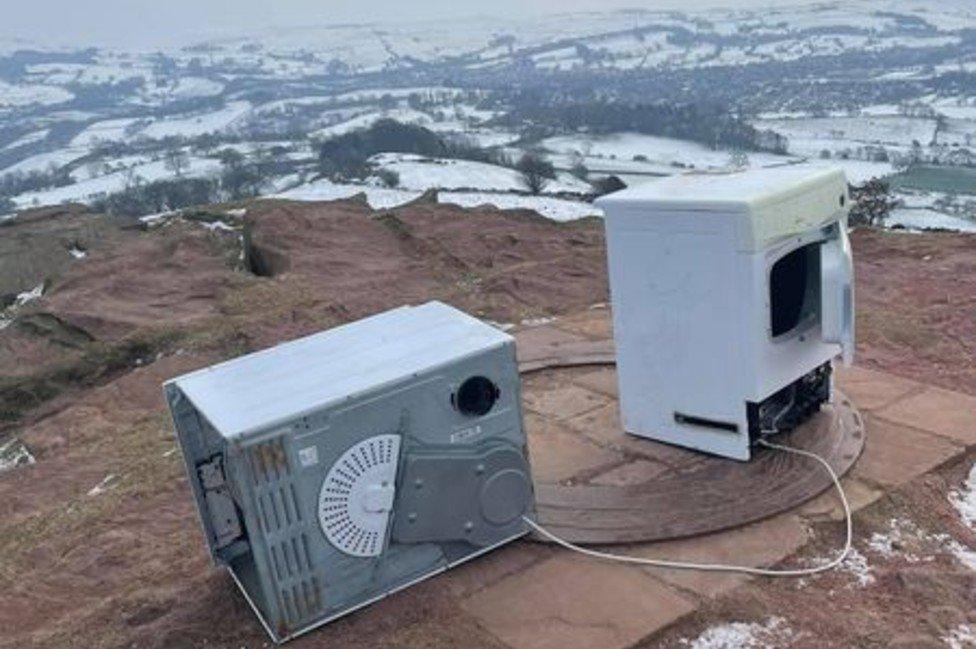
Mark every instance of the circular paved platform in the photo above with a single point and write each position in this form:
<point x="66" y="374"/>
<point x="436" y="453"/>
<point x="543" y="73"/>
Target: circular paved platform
<point x="651" y="491"/>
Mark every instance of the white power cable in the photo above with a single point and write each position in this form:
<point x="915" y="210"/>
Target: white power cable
<point x="714" y="567"/>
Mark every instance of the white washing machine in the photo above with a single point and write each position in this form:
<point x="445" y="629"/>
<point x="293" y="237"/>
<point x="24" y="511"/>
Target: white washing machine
<point x="732" y="294"/>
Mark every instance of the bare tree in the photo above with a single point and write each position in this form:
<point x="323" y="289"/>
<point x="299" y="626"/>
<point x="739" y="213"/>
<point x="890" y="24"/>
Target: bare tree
<point x="536" y="171"/>
<point x="177" y="161"/>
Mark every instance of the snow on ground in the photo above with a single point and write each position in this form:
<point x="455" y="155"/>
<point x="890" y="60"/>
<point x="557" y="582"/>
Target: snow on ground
<point x="181" y="89"/>
<point x="14" y="453"/>
<point x="858" y="171"/>
<point x="420" y="173"/>
<point x="964" y="635"/>
<point x="109" y="130"/>
<point x="26" y="95"/>
<point x="30" y="138"/>
<point x="557" y="209"/>
<point x="964" y="499"/>
<point x="45" y="161"/>
<point x="99" y="186"/>
<point x="905" y="539"/>
<point x="658" y="150"/>
<point x="404" y="115"/>
<point x="29" y="296"/>
<point x="743" y="635"/>
<point x="108" y="482"/>
<point x="924" y="219"/>
<point x="326" y="190"/>
<point x="196" y="125"/>
<point x="809" y="136"/>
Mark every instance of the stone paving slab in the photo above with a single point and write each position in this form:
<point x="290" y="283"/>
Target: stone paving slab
<point x="759" y="544"/>
<point x="895" y="454"/>
<point x="557" y="456"/>
<point x="595" y="324"/>
<point x="535" y="338"/>
<point x="871" y="389"/>
<point x="827" y="506"/>
<point x="602" y="380"/>
<point x="945" y="413"/>
<point x="485" y="571"/>
<point x="572" y="602"/>
<point x="563" y="402"/>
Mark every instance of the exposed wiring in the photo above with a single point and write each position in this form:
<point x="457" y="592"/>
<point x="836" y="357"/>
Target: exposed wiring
<point x="715" y="567"/>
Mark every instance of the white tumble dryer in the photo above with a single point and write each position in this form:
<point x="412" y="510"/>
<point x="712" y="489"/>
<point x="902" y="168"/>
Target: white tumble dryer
<point x="731" y="294"/>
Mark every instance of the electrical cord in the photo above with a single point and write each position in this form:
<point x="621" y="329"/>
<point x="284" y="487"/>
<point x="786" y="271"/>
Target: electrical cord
<point x="713" y="567"/>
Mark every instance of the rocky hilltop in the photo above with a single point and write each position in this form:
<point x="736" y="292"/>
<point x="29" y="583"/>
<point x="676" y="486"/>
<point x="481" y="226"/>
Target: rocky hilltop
<point x="98" y="540"/>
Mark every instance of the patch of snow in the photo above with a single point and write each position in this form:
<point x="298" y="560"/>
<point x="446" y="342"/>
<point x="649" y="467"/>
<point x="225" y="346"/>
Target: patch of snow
<point x="856" y="564"/>
<point x="964" y="499"/>
<point x="420" y="173"/>
<point x="109" y="130"/>
<point x="108" y="482"/>
<point x="901" y="534"/>
<point x="537" y="322"/>
<point x="503" y="326"/>
<point x="29" y="296"/>
<point x="403" y="115"/>
<point x="213" y="226"/>
<point x="29" y="138"/>
<point x="197" y="125"/>
<point x="26" y="95"/>
<point x="962" y="636"/>
<point x="743" y="635"/>
<point x="925" y="219"/>
<point x="326" y="190"/>
<point x="655" y="149"/>
<point x="966" y="556"/>
<point x="557" y="209"/>
<point x="14" y="453"/>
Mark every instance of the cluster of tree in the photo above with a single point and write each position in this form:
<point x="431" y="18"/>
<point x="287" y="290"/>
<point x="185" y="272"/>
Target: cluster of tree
<point x="18" y="182"/>
<point x="160" y="196"/>
<point x="871" y="203"/>
<point x="708" y="124"/>
<point x="346" y="156"/>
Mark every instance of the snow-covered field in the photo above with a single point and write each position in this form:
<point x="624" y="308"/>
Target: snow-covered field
<point x="26" y="95"/>
<point x="926" y="219"/>
<point x="556" y="209"/>
<point x="326" y="190"/>
<point x="419" y="173"/>
<point x="98" y="186"/>
<point x="810" y="136"/>
<point x="194" y="125"/>
<point x="657" y="152"/>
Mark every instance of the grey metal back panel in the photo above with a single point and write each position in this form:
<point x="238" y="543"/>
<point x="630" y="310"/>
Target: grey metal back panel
<point x="266" y="388"/>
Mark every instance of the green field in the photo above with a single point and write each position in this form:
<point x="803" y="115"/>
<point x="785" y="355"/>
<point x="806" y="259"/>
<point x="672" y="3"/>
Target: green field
<point x="959" y="180"/>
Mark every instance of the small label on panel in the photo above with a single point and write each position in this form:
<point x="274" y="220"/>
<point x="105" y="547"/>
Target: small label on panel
<point x="308" y="456"/>
<point x="465" y="434"/>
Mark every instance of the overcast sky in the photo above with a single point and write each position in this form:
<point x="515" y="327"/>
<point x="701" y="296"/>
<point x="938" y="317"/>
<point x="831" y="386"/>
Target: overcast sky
<point x="167" y="22"/>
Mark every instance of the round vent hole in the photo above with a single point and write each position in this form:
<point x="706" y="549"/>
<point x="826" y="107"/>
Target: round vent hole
<point x="476" y="396"/>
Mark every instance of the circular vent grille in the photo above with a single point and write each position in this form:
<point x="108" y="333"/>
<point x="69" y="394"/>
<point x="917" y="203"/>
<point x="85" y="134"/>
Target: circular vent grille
<point x="357" y="496"/>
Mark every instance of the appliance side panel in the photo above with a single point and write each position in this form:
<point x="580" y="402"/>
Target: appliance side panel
<point x="196" y="446"/>
<point x="676" y="323"/>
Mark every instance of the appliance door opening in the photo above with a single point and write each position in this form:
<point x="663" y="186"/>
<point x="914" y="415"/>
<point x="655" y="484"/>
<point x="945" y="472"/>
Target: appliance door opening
<point x="794" y="290"/>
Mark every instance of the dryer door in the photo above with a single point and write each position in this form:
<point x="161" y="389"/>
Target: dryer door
<point x="837" y="291"/>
